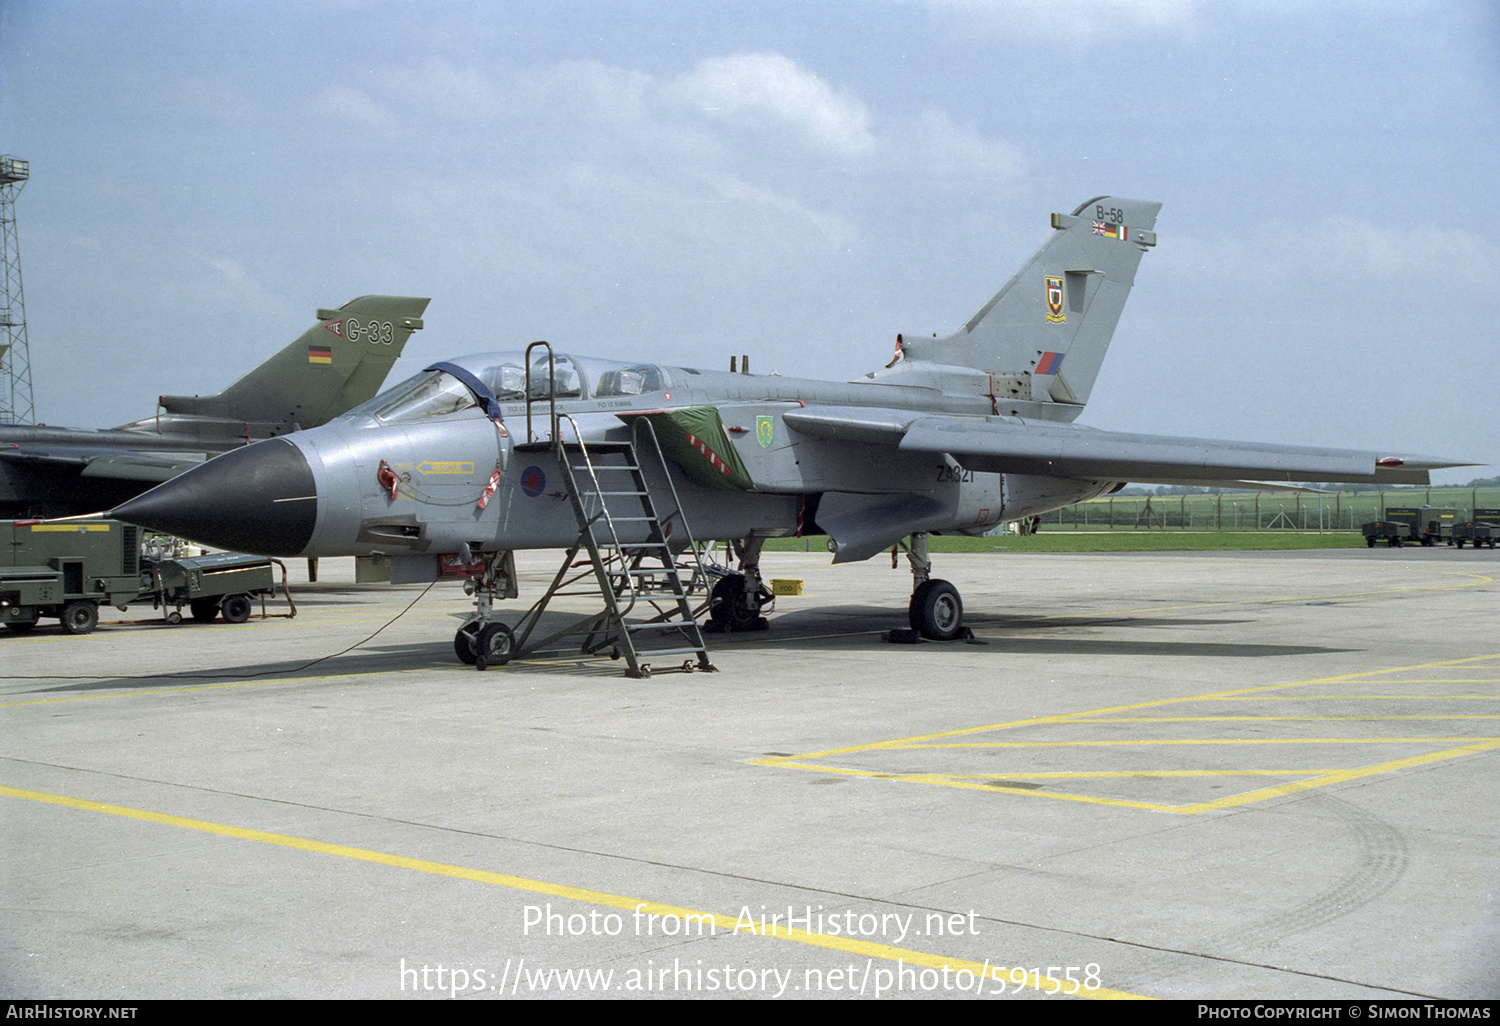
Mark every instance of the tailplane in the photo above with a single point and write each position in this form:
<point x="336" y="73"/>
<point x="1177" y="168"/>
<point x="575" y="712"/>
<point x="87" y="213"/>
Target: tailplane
<point x="1043" y="336"/>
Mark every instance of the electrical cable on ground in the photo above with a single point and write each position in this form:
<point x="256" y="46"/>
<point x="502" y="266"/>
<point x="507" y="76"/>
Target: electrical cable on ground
<point x="230" y="676"/>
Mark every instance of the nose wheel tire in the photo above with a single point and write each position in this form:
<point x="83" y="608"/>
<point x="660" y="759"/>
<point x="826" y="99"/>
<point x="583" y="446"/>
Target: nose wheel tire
<point x="494" y="641"/>
<point x="463" y="642"/>
<point x="494" y="646"/>
<point x="936" y="611"/>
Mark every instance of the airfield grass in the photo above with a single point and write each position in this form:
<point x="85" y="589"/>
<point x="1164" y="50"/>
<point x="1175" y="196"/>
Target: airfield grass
<point x="1115" y="541"/>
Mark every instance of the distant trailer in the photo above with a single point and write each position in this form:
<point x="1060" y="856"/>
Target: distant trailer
<point x="1484" y="529"/>
<point x="1425" y="525"/>
<point x="68" y="569"/>
<point x="225" y="584"/>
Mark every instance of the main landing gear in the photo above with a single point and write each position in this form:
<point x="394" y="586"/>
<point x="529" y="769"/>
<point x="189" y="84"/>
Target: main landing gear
<point x="936" y="612"/>
<point x="736" y="601"/>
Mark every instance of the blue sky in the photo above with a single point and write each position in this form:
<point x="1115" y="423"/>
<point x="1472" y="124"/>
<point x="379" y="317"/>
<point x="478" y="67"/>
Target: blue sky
<point x="797" y="181"/>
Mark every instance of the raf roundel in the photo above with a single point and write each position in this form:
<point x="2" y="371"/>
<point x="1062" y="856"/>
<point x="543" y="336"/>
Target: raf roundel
<point x="533" y="481"/>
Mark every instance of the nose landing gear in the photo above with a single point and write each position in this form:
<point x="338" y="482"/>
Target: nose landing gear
<point x="482" y="642"/>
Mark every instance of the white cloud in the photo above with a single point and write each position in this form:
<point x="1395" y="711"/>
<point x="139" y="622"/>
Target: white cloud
<point x="699" y="121"/>
<point x="747" y="157"/>
<point x="588" y="87"/>
<point x="1075" y="22"/>
<point x="936" y="146"/>
<point x="770" y="88"/>
<point x="1339" y="247"/>
<point x="836" y="230"/>
<point x="354" y="106"/>
<point x="1424" y="251"/>
<point x="441" y="90"/>
<point x="237" y="291"/>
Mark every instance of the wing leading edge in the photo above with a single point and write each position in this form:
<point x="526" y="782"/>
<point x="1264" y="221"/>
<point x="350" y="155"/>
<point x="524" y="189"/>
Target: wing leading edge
<point x="1013" y="446"/>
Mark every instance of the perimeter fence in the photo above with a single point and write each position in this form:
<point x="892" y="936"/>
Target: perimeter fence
<point x="1261" y="511"/>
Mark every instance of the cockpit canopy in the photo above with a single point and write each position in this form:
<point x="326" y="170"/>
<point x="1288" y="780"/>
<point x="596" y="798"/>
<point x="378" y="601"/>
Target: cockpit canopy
<point x="436" y="393"/>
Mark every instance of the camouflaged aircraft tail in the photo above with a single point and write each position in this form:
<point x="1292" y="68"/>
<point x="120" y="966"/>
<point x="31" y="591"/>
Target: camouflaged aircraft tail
<point x="1044" y="334"/>
<point x="332" y="367"/>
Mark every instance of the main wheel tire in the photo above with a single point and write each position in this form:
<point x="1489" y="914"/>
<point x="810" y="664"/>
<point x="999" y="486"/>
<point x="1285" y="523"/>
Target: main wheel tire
<point x="464" y="641"/>
<point x="940" y="611"/>
<point x="1370" y="542"/>
<point x="203" y="610"/>
<point x="496" y="644"/>
<point x="913" y="617"/>
<point x="21" y="626"/>
<point x="730" y="606"/>
<point x="80" y="617"/>
<point x="236" y="609"/>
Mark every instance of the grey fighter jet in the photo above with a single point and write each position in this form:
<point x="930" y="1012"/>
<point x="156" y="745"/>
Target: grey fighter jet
<point x="335" y="365"/>
<point x="448" y="472"/>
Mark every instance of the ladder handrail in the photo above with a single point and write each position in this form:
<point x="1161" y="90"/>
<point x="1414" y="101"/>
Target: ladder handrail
<point x="692" y="544"/>
<point x="588" y="461"/>
<point x="551" y="389"/>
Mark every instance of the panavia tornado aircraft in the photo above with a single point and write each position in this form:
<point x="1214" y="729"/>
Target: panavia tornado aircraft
<point x="450" y="471"/>
<point x="335" y="365"/>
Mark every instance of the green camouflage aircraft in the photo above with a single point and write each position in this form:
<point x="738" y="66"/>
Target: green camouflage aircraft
<point x="332" y="367"/>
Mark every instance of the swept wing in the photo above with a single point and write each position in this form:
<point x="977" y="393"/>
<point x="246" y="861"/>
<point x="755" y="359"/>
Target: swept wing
<point x="1012" y="445"/>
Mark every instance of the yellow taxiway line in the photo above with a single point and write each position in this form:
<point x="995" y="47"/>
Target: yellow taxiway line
<point x="845" y="944"/>
<point x="1313" y="778"/>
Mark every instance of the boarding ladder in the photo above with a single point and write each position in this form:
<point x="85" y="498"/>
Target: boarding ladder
<point x="647" y="618"/>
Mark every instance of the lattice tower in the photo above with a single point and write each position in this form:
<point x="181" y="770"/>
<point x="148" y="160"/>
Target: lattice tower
<point x="15" y="353"/>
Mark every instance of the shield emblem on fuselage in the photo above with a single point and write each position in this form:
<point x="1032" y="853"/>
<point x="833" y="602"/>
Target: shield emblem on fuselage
<point x="765" y="431"/>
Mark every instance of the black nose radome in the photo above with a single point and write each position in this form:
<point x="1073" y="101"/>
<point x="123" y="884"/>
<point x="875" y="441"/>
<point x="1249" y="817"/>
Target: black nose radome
<point x="260" y="499"/>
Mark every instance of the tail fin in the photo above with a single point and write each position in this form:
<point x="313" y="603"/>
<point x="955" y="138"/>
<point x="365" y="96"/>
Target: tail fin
<point x="334" y="366"/>
<point x="1044" y="334"/>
